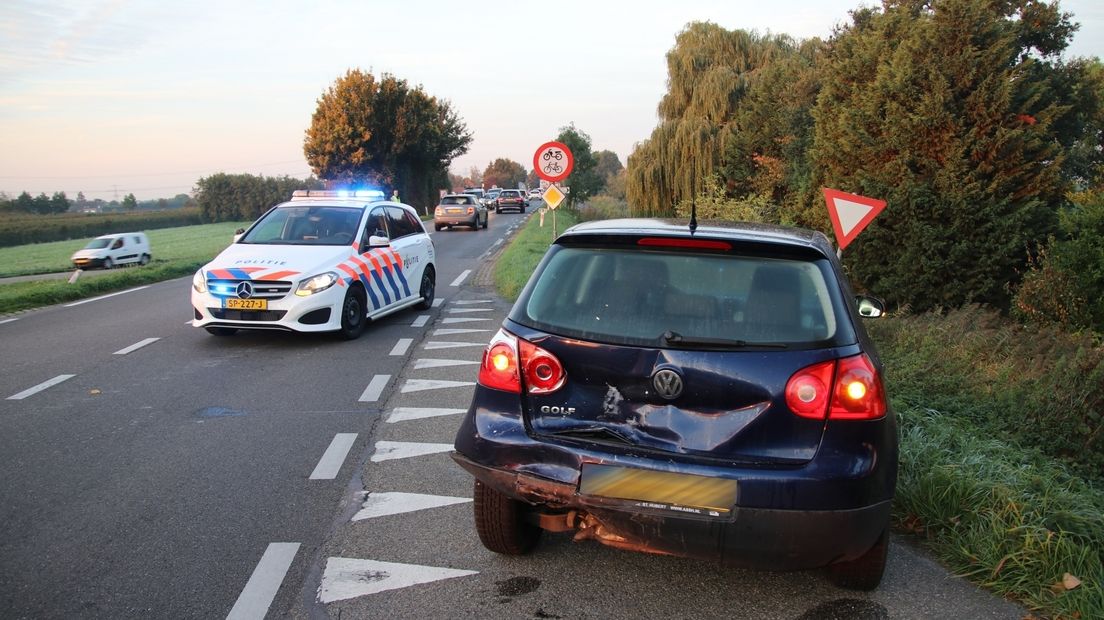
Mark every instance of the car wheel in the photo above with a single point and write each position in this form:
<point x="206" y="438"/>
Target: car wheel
<point x="500" y="522"/>
<point x="108" y="263"/>
<point x="438" y="227"/>
<point x="353" y="314"/>
<point x="864" y="572"/>
<point x="427" y="289"/>
<point x="144" y="260"/>
<point x="485" y="221"/>
<point x="497" y="210"/>
<point x="221" y="331"/>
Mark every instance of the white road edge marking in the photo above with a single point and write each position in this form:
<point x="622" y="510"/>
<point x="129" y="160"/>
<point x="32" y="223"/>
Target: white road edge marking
<point x="331" y="461"/>
<point x="460" y="279"/>
<point x="402" y="346"/>
<point x="420" y="321"/>
<point x="136" y="346"/>
<point x="86" y="301"/>
<point x="391" y="450"/>
<point x="8" y="321"/>
<point x="387" y="504"/>
<point x="375" y="388"/>
<point x="402" y="414"/>
<point x="262" y="586"/>
<point x="41" y="386"/>
<point x="346" y="578"/>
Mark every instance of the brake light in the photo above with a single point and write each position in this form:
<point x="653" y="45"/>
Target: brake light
<point x="697" y="244"/>
<point x="507" y="358"/>
<point x="438" y="211"/>
<point x="856" y="392"/>
<point x="471" y="210"/>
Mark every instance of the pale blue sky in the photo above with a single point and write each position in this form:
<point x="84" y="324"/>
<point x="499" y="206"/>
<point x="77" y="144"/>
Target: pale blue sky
<point x="148" y="96"/>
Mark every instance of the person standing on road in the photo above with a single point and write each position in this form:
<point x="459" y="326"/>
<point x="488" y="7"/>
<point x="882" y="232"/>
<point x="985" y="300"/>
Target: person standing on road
<point x="395" y="196"/>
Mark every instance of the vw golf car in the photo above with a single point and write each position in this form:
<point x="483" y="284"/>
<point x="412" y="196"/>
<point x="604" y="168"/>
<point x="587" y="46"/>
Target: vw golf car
<point x="325" y="261"/>
<point x="706" y="391"/>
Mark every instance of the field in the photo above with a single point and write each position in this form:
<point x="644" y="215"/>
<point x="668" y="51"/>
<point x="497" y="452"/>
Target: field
<point x="169" y="245"/>
<point x="176" y="252"/>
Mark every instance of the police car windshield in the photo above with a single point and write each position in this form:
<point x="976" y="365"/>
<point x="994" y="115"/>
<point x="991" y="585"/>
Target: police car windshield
<point x="300" y="225"/>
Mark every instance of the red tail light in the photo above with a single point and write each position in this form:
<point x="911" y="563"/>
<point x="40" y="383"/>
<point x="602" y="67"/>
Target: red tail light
<point x="856" y="392"/>
<point x="503" y="366"/>
<point x="471" y="210"/>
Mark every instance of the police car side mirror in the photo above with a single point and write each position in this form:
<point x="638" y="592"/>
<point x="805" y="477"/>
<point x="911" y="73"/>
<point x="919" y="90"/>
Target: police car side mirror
<point x="376" y="241"/>
<point x="238" y="234"/>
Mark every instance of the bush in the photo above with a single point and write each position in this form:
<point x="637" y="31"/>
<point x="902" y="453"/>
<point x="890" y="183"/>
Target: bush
<point x="23" y="229"/>
<point x="603" y="207"/>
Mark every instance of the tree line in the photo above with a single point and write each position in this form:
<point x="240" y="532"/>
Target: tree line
<point x="962" y="115"/>
<point x="60" y="203"/>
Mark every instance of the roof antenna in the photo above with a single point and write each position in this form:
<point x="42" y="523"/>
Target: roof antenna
<point x="693" y="216"/>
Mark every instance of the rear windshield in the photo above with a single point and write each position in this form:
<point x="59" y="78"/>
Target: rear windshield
<point x="294" y="225"/>
<point x="636" y="297"/>
<point x="457" y="200"/>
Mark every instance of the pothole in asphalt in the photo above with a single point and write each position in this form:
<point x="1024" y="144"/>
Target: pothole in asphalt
<point x="516" y="586"/>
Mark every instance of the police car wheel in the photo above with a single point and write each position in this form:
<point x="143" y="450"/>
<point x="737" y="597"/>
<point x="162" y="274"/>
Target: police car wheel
<point x="353" y="312"/>
<point x="429" y="285"/>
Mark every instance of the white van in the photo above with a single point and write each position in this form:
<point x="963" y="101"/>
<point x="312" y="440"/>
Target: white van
<point x="107" y="251"/>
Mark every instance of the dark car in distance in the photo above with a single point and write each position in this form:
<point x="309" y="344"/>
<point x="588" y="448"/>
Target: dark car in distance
<point x="707" y="393"/>
<point x="511" y="199"/>
<point x="460" y="210"/>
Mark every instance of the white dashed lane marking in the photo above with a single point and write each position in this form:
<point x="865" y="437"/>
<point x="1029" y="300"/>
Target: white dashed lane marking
<point x="421" y="385"/>
<point x="7" y="321"/>
<point x="402" y="414"/>
<point x="463" y="310"/>
<point x="402" y="346"/>
<point x="433" y="345"/>
<point x="466" y="319"/>
<point x="88" y="301"/>
<point x="331" y="461"/>
<point x="136" y="346"/>
<point x="420" y="321"/>
<point x="346" y="578"/>
<point x="392" y="450"/>
<point x="422" y="364"/>
<point x="255" y="599"/>
<point x="468" y="302"/>
<point x="437" y="302"/>
<point x="375" y="388"/>
<point x="451" y="331"/>
<point x="386" y="504"/>
<point x="41" y="386"/>
<point x="460" y="279"/>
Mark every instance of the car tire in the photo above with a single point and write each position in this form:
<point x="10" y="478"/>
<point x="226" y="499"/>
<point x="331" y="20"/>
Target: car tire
<point x="427" y="289"/>
<point x="221" y="331"/>
<point x="108" y="263"/>
<point x="497" y="211"/>
<point x="353" y="313"/>
<point x="500" y="522"/>
<point x="864" y="572"/>
<point x="486" y="220"/>
<point x="144" y="260"/>
<point x="438" y="227"/>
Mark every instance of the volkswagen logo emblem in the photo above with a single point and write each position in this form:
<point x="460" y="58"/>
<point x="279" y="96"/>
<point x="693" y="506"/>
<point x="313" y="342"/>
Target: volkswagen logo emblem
<point x="668" y="384"/>
<point x="244" y="290"/>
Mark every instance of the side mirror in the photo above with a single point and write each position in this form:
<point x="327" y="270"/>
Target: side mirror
<point x="870" y="307"/>
<point x="375" y="241"/>
<point x="238" y="234"/>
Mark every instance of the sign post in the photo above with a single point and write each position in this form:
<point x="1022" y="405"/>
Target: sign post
<point x="553" y="162"/>
<point x="850" y="214"/>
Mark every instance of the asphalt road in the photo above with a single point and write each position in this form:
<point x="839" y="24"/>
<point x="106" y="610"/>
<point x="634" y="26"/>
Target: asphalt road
<point x="278" y="475"/>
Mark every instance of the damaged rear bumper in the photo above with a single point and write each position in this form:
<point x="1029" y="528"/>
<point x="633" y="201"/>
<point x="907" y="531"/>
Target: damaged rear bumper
<point x="751" y="537"/>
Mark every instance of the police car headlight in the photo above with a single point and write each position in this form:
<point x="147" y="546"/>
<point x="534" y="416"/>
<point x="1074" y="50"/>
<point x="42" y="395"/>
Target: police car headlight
<point x="317" y="284"/>
<point x="199" y="283"/>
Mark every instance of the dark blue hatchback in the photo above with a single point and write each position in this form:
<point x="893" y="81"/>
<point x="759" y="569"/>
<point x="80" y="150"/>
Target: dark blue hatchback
<point x="706" y="393"/>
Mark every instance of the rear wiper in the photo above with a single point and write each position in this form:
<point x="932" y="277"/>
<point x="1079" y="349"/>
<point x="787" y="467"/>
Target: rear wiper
<point x="670" y="337"/>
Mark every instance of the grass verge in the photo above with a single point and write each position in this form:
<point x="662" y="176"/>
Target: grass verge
<point x="520" y="258"/>
<point x="23" y="295"/>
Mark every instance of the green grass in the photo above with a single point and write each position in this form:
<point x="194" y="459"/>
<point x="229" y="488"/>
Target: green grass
<point x="176" y="252"/>
<point x="168" y="245"/>
<point x="520" y="258"/>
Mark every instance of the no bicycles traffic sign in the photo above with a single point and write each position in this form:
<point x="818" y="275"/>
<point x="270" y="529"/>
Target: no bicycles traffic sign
<point x="553" y="161"/>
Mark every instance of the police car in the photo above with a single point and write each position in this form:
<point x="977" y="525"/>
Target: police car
<point x="325" y="261"/>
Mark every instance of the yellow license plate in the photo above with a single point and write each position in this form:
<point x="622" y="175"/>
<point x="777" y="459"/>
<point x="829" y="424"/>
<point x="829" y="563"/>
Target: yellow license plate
<point x="245" y="304"/>
<point x="661" y="487"/>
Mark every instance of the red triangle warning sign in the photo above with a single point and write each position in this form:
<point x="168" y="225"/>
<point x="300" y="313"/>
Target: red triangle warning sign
<point x="850" y="213"/>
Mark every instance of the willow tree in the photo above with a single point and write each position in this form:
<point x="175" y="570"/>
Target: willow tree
<point x="943" y="109"/>
<point x="709" y="72"/>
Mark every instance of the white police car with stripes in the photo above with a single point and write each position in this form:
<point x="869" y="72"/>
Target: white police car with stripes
<point x="325" y="261"/>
